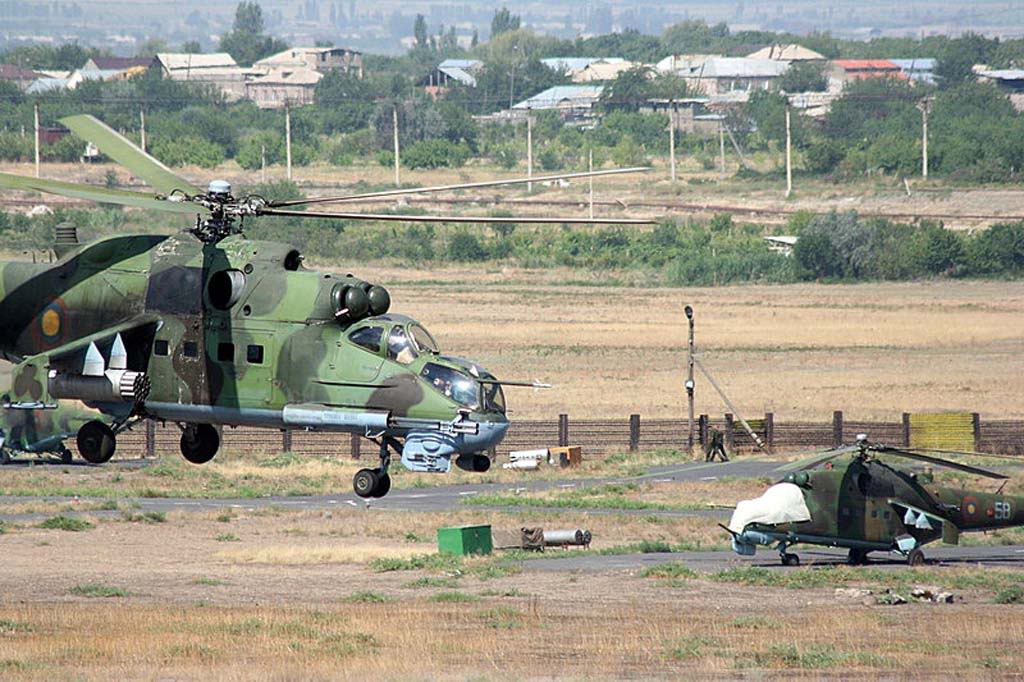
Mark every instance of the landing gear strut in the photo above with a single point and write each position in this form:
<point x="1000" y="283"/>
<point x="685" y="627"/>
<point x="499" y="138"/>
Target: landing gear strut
<point x="96" y="442"/>
<point x="787" y="558"/>
<point x="857" y="557"/>
<point x="199" y="443"/>
<point x="376" y="482"/>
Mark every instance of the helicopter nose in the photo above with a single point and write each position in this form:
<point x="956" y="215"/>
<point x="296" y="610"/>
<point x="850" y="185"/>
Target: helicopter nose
<point x="489" y="435"/>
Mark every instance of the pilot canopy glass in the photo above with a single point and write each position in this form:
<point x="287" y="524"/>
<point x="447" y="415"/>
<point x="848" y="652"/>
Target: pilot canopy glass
<point x="453" y="384"/>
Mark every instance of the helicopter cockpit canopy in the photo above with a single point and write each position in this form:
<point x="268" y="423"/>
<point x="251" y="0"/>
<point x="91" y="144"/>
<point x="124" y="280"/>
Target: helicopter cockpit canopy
<point x="395" y="337"/>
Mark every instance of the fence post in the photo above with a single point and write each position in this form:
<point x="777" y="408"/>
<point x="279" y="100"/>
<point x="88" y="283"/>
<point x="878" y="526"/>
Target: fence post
<point x="837" y="428"/>
<point x="769" y="430"/>
<point x="563" y="430"/>
<point x="286" y="440"/>
<point x="730" y="437"/>
<point x="976" y="426"/>
<point x="150" y="439"/>
<point x="702" y="429"/>
<point x="356" y="443"/>
<point x="906" y="429"/>
<point x="634" y="432"/>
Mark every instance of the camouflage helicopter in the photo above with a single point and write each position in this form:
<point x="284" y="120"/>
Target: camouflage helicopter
<point x="848" y="497"/>
<point x="209" y="328"/>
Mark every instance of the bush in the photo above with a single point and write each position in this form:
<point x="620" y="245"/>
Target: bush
<point x="467" y="247"/>
<point x="997" y="250"/>
<point x="505" y="156"/>
<point x="253" y="148"/>
<point x="14" y="147"/>
<point x="628" y="153"/>
<point x="435" y="153"/>
<point x="551" y="158"/>
<point x="189" y="150"/>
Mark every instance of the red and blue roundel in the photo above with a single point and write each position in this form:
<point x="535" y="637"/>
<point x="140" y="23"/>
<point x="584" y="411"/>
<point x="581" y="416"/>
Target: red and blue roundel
<point x="969" y="507"/>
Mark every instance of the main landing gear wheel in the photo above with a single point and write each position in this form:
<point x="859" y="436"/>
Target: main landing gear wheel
<point x="915" y="557"/>
<point x="199" y="443"/>
<point x="96" y="442"/>
<point x="790" y="559"/>
<point x="857" y="557"/>
<point x="366" y="482"/>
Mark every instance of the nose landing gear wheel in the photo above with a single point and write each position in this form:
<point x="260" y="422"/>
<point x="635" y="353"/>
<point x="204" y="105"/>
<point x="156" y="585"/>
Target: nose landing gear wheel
<point x="857" y="557"/>
<point x="96" y="442"/>
<point x="383" y="485"/>
<point x="915" y="557"/>
<point x="790" y="560"/>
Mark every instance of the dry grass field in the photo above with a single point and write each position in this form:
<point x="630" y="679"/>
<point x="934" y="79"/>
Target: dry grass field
<point x="800" y="351"/>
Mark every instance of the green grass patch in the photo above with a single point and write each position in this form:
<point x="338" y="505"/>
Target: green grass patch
<point x="209" y="582"/>
<point x="674" y="570"/>
<point x="432" y="581"/>
<point x="429" y="562"/>
<point x="69" y="523"/>
<point x="228" y="537"/>
<point x="753" y="623"/>
<point x="840" y="576"/>
<point x="98" y="590"/>
<point x="144" y="517"/>
<point x="454" y="598"/>
<point x="686" y="648"/>
<point x="366" y="597"/>
<point x="12" y="626"/>
<point x="1010" y="595"/>
<point x="609" y="496"/>
<point x="815" y="657"/>
<point x="510" y="592"/>
<point x="502" y="618"/>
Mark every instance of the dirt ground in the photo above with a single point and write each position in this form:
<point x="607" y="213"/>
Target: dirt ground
<point x="281" y="596"/>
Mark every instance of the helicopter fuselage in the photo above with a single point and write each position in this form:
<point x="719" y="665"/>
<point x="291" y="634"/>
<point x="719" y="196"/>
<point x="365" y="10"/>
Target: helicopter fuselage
<point x="238" y="333"/>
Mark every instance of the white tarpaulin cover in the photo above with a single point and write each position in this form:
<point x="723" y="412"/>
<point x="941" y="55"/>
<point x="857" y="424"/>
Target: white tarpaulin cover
<point x="781" y="503"/>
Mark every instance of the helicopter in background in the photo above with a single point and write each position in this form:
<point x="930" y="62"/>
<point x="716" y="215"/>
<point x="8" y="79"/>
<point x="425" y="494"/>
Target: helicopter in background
<point x="209" y="328"/>
<point x="849" y="497"/>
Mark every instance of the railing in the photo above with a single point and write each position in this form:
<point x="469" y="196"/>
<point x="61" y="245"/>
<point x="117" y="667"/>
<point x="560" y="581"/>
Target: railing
<point x="601" y="437"/>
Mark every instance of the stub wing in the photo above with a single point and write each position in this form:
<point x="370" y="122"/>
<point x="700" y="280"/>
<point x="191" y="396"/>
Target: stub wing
<point x="781" y="503"/>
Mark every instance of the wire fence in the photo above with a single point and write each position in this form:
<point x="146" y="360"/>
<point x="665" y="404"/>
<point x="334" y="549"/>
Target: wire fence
<point x="599" y="437"/>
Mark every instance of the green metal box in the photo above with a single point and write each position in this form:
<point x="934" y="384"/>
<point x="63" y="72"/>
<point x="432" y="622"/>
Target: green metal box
<point x="464" y="540"/>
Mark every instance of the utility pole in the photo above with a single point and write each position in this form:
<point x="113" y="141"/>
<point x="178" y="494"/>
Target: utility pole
<point x="721" y="150"/>
<point x="924" y="106"/>
<point x="288" y="140"/>
<point x="672" y="140"/>
<point x="142" y="128"/>
<point x="590" y="168"/>
<point x="789" y="155"/>
<point x="529" y="149"/>
<point x="689" y="381"/>
<point x="394" y="126"/>
<point x="35" y="110"/>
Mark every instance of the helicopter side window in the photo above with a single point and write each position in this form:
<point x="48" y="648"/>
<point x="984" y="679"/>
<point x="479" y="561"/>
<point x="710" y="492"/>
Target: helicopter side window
<point x="190" y="349"/>
<point x="367" y="338"/>
<point x="494" y="397"/>
<point x="161" y="347"/>
<point x="225" y="352"/>
<point x="399" y="347"/>
<point x="254" y="354"/>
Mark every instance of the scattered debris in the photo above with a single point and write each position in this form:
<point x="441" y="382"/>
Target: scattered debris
<point x="890" y="597"/>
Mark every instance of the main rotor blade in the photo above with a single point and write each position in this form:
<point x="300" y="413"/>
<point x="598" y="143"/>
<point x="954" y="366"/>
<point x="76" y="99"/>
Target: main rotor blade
<point x="966" y="468"/>
<point x="816" y="460"/>
<point x="92" y="193"/>
<point x="128" y="154"/>
<point x="446" y="188"/>
<point x="966" y="453"/>
<point x="388" y="217"/>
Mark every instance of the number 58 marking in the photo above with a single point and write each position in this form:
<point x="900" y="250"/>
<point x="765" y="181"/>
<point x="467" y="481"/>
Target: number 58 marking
<point x="1002" y="511"/>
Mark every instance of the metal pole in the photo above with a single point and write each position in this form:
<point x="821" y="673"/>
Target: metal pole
<point x="529" y="149"/>
<point x="689" y="381"/>
<point x="142" y="128"/>
<point x="721" y="149"/>
<point x="35" y="110"/>
<point x="263" y="163"/>
<point x="725" y="399"/>
<point x="288" y="140"/>
<point x="394" y="126"/>
<point x="924" y="140"/>
<point x="590" y="165"/>
<point x="789" y="156"/>
<point x="672" y="141"/>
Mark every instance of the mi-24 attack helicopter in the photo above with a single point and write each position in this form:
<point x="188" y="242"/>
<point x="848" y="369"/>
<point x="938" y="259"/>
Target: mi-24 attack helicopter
<point x="209" y="328"/>
<point x="849" y="497"/>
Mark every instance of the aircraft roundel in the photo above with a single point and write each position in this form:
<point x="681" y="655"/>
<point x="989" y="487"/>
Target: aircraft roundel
<point x="970" y="507"/>
<point x="51" y="322"/>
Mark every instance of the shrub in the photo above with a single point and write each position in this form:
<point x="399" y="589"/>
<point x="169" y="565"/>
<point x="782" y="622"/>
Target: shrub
<point x="435" y="153"/>
<point x="466" y="246"/>
<point x="505" y="156"/>
<point x="189" y="150"/>
<point x="68" y="523"/>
